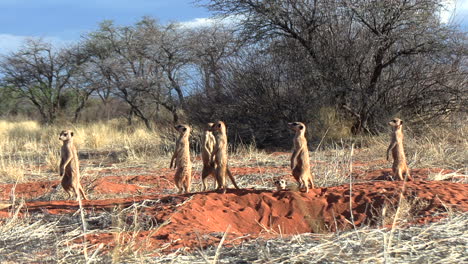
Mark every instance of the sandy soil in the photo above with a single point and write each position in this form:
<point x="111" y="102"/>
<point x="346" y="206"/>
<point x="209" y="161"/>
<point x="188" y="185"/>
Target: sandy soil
<point x="198" y="220"/>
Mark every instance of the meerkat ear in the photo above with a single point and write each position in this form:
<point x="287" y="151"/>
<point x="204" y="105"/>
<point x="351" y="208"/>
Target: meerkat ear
<point x="401" y="122"/>
<point x="71" y="133"/>
<point x="301" y="127"/>
<point x="219" y="125"/>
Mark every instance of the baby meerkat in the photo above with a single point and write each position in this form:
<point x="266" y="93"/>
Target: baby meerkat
<point x="183" y="175"/>
<point x="280" y="184"/>
<point x="208" y="144"/>
<point x="70" y="166"/>
<point x="220" y="157"/>
<point x="396" y="147"/>
<point x="300" y="163"/>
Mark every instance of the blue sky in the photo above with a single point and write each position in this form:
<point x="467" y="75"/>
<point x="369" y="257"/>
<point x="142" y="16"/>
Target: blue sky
<point x="62" y="21"/>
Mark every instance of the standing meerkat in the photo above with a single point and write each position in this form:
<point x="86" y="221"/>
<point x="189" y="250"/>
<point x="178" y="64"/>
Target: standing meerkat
<point x="208" y="144"/>
<point x="300" y="163"/>
<point x="183" y="175"/>
<point x="70" y="166"/>
<point x="396" y="147"/>
<point x="220" y="156"/>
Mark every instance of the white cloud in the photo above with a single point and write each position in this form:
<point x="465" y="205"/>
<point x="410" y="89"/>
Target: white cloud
<point x="462" y="5"/>
<point x="453" y="9"/>
<point x="198" y="22"/>
<point x="447" y="11"/>
<point x="206" y="22"/>
<point x="11" y="43"/>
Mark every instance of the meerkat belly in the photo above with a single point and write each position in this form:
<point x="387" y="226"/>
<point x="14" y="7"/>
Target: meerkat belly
<point x="70" y="168"/>
<point x="306" y="159"/>
<point x="395" y="152"/>
<point x="205" y="158"/>
<point x="67" y="180"/>
<point x="299" y="169"/>
<point x="221" y="159"/>
<point x="184" y="161"/>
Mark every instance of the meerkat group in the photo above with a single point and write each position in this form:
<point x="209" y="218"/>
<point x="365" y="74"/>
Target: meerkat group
<point x="214" y="155"/>
<point x="215" y="161"/>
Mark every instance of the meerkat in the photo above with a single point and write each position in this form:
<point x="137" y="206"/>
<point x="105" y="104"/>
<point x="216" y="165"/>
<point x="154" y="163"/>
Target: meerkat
<point x="183" y="175"/>
<point x="219" y="155"/>
<point x="70" y="166"/>
<point x="396" y="147"/>
<point x="208" y="143"/>
<point x="280" y="184"/>
<point x="300" y="164"/>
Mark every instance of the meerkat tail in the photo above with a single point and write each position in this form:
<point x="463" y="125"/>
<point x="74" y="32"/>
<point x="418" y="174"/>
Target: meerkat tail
<point x="232" y="178"/>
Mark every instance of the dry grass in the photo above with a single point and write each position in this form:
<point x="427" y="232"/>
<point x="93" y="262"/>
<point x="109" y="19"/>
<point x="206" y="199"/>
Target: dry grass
<point x="402" y="212"/>
<point x="51" y="239"/>
<point x="30" y="137"/>
<point x="443" y="242"/>
<point x="444" y="146"/>
<point x="26" y="145"/>
<point x="30" y="152"/>
<point x="44" y="238"/>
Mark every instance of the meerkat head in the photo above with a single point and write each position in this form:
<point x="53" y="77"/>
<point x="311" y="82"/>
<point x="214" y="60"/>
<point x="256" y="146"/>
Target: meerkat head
<point x="396" y="122"/>
<point x="66" y="135"/>
<point x="297" y="126"/>
<point x="218" y="126"/>
<point x="280" y="184"/>
<point x="209" y="126"/>
<point x="183" y="129"/>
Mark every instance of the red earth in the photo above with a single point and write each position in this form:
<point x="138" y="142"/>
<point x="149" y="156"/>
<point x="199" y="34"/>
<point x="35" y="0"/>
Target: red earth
<point x="198" y="220"/>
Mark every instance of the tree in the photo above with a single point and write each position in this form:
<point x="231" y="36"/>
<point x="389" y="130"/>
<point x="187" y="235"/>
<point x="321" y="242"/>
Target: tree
<point x="210" y="48"/>
<point x="142" y="65"/>
<point x="169" y="51"/>
<point x="40" y="73"/>
<point x="360" y="50"/>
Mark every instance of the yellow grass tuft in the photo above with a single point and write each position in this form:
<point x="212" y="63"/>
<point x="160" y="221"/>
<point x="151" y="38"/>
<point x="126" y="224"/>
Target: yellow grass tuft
<point x="28" y="147"/>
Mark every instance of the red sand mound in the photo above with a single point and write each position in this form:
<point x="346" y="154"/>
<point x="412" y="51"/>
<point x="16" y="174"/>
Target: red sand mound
<point x="130" y="181"/>
<point x="27" y="190"/>
<point x="197" y="220"/>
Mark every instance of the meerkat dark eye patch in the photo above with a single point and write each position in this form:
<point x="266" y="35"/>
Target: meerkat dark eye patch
<point x="394" y="121"/>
